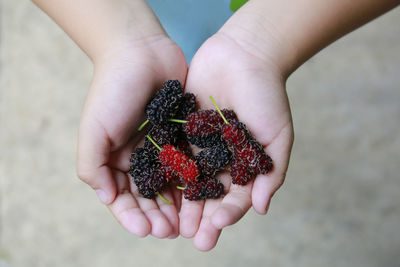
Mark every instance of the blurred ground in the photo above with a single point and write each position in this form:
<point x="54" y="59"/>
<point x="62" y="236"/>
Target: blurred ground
<point x="338" y="207"/>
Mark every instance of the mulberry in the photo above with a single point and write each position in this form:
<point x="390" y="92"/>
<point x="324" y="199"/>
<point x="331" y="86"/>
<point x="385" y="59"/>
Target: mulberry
<point x="250" y="157"/>
<point x="179" y="163"/>
<point x="235" y="134"/>
<point x="187" y="106"/>
<point x="143" y="167"/>
<point x="206" y="188"/>
<point x="240" y="173"/>
<point x="164" y="134"/>
<point x="165" y="103"/>
<point x="205" y="141"/>
<point x="204" y="127"/>
<point x="213" y="159"/>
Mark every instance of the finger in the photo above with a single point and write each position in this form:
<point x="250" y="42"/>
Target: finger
<point x="126" y="209"/>
<point x="170" y="212"/>
<point x="93" y="151"/>
<point x="266" y="185"/>
<point x="160" y="226"/>
<point x="189" y="217"/>
<point x="207" y="235"/>
<point x="233" y="206"/>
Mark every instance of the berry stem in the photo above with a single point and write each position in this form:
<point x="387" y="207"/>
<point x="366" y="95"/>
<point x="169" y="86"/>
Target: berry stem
<point x="180" y="187"/>
<point x="164" y="199"/>
<point x="219" y="111"/>
<point x="154" y="143"/>
<point x="177" y="120"/>
<point x="142" y="125"/>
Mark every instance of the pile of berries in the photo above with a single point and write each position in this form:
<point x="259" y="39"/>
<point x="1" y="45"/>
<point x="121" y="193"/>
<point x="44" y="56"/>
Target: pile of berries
<point x="167" y="156"/>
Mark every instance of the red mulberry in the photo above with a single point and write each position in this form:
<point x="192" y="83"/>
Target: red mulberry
<point x="179" y="163"/>
<point x="240" y="173"/>
<point x="250" y="157"/>
<point x="204" y="127"/>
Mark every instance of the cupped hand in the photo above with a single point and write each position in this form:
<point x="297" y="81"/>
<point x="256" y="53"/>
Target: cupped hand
<point x="124" y="80"/>
<point x="254" y="88"/>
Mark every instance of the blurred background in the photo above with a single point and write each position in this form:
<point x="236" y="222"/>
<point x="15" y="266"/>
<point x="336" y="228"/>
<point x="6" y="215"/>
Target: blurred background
<point x="339" y="206"/>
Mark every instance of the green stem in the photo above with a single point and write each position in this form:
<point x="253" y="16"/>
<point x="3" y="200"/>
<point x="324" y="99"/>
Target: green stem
<point x="164" y="199"/>
<point x="143" y="124"/>
<point x="219" y="111"/>
<point x="154" y="143"/>
<point x="180" y="187"/>
<point x="177" y="120"/>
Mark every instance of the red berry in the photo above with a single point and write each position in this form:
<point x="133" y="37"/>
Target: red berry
<point x="250" y="157"/>
<point x="205" y="122"/>
<point x="203" y="128"/>
<point x="179" y="163"/>
<point x="235" y="134"/>
<point x="264" y="165"/>
<point x="240" y="173"/>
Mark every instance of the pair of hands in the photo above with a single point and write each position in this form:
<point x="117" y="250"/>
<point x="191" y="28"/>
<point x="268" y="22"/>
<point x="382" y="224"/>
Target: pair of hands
<point x="125" y="80"/>
<point x="244" y="67"/>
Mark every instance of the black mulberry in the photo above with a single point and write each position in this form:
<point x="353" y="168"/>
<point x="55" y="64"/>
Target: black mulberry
<point x="164" y="134"/>
<point x="165" y="103"/>
<point x="206" y="188"/>
<point x="146" y="173"/>
<point x="187" y="106"/>
<point x="213" y="159"/>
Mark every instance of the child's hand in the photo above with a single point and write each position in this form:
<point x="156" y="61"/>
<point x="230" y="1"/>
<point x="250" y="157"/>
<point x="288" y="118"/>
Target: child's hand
<point x="124" y="80"/>
<point x="255" y="89"/>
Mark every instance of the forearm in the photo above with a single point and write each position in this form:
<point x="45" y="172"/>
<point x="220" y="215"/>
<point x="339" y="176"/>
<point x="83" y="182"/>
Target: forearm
<point x="290" y="32"/>
<point x="98" y="25"/>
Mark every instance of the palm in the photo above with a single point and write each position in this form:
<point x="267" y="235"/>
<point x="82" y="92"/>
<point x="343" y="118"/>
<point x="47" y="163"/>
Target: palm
<point x="240" y="81"/>
<point x="119" y="92"/>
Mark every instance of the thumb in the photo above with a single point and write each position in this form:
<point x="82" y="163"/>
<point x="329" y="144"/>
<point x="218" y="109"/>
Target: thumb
<point x="93" y="154"/>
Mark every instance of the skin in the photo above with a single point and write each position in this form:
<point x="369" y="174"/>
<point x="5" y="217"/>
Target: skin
<point x="248" y="61"/>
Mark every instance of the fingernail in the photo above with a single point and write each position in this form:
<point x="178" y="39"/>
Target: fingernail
<point x="102" y="195"/>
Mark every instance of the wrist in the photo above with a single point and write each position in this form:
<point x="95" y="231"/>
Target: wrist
<point x="250" y="28"/>
<point x="98" y="26"/>
<point x="289" y="33"/>
<point x="126" y="47"/>
<point x="131" y="26"/>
